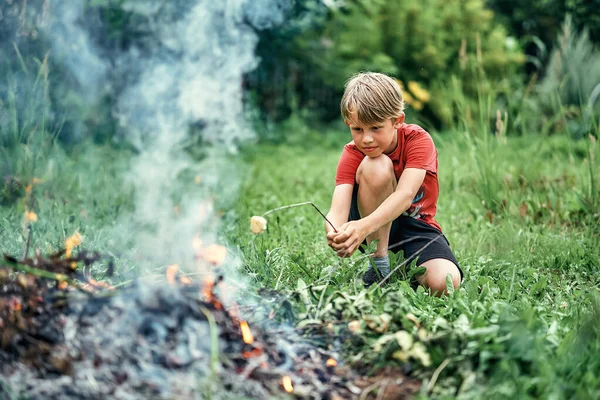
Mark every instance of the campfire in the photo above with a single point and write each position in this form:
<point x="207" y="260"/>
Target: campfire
<point x="66" y="335"/>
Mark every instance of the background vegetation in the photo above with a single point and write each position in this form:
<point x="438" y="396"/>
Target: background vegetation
<point x="509" y="90"/>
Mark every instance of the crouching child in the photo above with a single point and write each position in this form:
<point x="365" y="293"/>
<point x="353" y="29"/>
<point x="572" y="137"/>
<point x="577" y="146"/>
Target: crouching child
<point x="386" y="186"/>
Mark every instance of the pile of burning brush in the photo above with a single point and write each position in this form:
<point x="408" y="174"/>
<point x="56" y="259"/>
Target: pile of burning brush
<point x="65" y="335"/>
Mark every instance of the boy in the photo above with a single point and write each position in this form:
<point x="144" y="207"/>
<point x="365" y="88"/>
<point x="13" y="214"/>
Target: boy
<point x="387" y="187"/>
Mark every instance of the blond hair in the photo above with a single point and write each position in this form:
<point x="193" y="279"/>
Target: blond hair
<point x="374" y="97"/>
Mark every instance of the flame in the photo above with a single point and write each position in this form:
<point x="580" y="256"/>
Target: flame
<point x="207" y="292"/>
<point x="94" y="285"/>
<point x="63" y="285"/>
<point x="246" y="333"/>
<point x="171" y="272"/>
<point x="286" y="381"/>
<point x="208" y="287"/>
<point x="214" y="254"/>
<point x="331" y="362"/>
<point x="185" y="280"/>
<point x="253" y="353"/>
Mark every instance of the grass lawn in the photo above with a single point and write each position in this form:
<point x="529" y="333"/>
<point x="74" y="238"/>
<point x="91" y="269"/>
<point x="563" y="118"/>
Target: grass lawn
<point x="521" y="215"/>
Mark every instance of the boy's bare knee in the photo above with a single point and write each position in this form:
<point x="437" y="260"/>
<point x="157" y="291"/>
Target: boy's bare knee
<point x="375" y="172"/>
<point x="435" y="276"/>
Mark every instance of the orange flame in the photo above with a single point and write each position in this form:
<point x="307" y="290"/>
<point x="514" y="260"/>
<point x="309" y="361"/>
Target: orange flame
<point x="253" y="353"/>
<point x="331" y="362"/>
<point x="215" y="254"/>
<point x="171" y="272"/>
<point x="185" y="280"/>
<point x="246" y="333"/>
<point x="286" y="381"/>
<point x="94" y="285"/>
<point x="207" y="288"/>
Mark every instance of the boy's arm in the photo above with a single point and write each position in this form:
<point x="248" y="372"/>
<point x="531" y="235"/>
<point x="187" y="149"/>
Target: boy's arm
<point x="340" y="206"/>
<point x="354" y="232"/>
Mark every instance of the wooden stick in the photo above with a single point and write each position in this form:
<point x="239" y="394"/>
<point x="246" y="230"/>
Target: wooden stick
<point x="302" y="204"/>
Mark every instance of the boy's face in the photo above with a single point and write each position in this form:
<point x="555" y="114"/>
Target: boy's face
<point x="377" y="139"/>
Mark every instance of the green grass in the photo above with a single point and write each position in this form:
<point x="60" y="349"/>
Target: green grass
<point x="529" y="245"/>
<point x="81" y="190"/>
<point x="520" y="215"/>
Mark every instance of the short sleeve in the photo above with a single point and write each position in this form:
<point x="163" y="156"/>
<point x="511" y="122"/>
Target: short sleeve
<point x="348" y="165"/>
<point x="420" y="152"/>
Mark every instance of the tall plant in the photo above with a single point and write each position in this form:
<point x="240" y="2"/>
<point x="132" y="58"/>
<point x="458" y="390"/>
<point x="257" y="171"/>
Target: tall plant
<point x="572" y="80"/>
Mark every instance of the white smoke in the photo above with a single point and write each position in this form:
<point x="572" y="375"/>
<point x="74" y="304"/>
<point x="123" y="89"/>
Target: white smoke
<point x="187" y="71"/>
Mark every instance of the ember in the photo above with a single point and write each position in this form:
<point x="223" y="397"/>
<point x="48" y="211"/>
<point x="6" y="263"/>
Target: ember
<point x="286" y="381"/>
<point x="171" y="273"/>
<point x="246" y="333"/>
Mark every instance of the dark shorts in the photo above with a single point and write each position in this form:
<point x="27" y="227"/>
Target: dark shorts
<point x="418" y="239"/>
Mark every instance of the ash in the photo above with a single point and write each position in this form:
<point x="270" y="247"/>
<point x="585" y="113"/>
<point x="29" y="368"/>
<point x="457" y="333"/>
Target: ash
<point x="157" y="342"/>
<point x="151" y="342"/>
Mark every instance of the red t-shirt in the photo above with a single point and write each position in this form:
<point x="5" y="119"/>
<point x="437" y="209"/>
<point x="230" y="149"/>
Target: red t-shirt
<point x="415" y="150"/>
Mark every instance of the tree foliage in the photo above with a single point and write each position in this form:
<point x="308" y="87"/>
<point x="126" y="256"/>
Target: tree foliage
<point x="425" y="42"/>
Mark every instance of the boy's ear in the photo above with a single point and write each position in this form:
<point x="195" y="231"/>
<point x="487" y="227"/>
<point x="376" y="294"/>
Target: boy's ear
<point x="399" y="121"/>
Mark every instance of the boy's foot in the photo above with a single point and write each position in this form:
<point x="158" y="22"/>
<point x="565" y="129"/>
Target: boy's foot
<point x="371" y="276"/>
<point x="374" y="275"/>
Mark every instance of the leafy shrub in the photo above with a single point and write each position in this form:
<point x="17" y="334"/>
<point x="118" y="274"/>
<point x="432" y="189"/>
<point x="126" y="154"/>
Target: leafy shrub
<point x="422" y="43"/>
<point x="572" y="81"/>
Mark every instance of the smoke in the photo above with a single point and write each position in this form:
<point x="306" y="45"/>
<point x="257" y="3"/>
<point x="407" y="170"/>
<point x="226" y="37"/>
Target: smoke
<point x="190" y="75"/>
<point x="176" y="89"/>
<point x="178" y="84"/>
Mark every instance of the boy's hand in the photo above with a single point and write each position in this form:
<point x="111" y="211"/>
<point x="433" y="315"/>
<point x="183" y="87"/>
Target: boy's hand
<point x="349" y="237"/>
